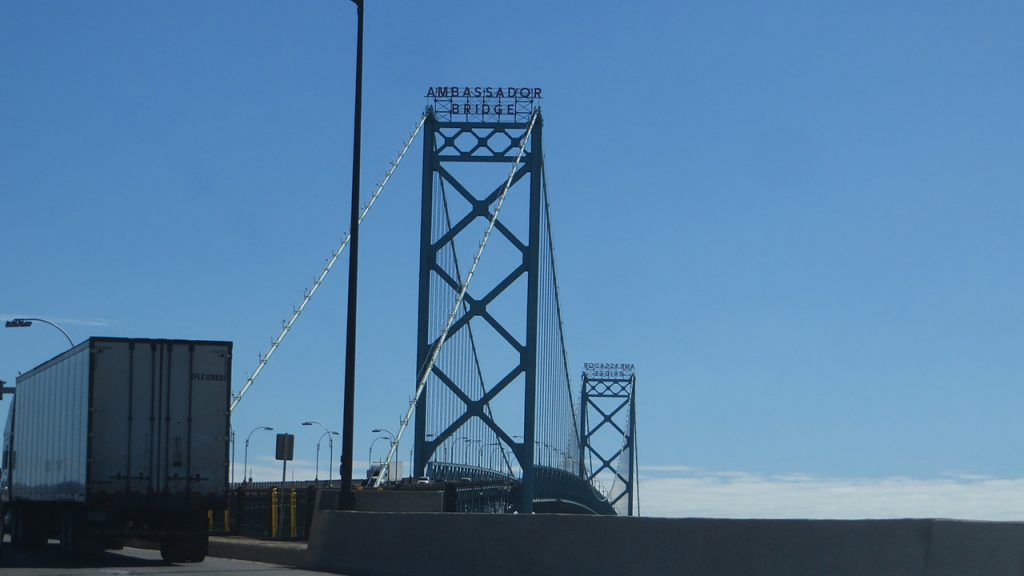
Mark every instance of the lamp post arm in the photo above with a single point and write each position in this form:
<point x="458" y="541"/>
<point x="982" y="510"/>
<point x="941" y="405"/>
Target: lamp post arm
<point x="71" y="343"/>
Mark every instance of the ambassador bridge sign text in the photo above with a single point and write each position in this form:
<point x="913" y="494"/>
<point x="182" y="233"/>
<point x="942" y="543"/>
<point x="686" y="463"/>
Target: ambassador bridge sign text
<point x="484" y="103"/>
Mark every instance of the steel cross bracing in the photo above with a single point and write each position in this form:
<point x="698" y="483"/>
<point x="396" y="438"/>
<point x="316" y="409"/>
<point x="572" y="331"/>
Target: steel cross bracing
<point x="608" y="406"/>
<point x="429" y="356"/>
<point x="521" y="417"/>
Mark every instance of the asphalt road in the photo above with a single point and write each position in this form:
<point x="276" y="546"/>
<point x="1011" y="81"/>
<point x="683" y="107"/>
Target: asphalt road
<point x="48" y="561"/>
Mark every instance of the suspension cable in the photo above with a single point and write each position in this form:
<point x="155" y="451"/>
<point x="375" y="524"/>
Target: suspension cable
<point x="287" y="325"/>
<point x="558" y="307"/>
<point x="636" y="454"/>
<point x="429" y="366"/>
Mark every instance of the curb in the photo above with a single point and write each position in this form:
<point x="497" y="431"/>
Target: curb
<point x="283" y="553"/>
<point x="237" y="548"/>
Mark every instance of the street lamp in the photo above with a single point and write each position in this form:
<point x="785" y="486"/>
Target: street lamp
<point x="348" y="409"/>
<point x="538" y="444"/>
<point x="370" y="458"/>
<point x="455" y="454"/>
<point x="330" y="441"/>
<point x="27" y="322"/>
<point x="444" y="448"/>
<point x="245" y="462"/>
<point x="469" y="449"/>
<point x="393" y="443"/>
<point x="432" y="454"/>
<point x="564" y="457"/>
<point x="489" y="452"/>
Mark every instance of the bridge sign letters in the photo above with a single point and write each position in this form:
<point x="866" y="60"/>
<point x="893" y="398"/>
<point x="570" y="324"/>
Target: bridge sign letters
<point x="603" y="370"/>
<point x="484" y="103"/>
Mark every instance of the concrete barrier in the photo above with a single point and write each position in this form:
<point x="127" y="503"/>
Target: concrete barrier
<point x="399" y="544"/>
<point x="404" y="500"/>
<point x="959" y="548"/>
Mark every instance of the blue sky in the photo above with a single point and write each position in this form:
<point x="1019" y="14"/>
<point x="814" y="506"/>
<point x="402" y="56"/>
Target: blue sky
<point x="800" y="220"/>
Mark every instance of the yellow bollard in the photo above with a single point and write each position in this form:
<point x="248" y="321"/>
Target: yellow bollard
<point x="273" y="513"/>
<point x="227" y="524"/>
<point x="209" y="519"/>
<point x="294" y="508"/>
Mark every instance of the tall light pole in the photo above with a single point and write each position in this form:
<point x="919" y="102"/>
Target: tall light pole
<point x="469" y="449"/>
<point x="538" y="444"/>
<point x="489" y="452"/>
<point x="348" y="415"/>
<point x="370" y="456"/>
<point x="316" y="477"/>
<point x="392" y="436"/>
<point x="330" y="441"/>
<point x="245" y="462"/>
<point x="27" y="322"/>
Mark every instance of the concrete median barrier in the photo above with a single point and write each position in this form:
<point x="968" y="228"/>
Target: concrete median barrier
<point x="399" y="544"/>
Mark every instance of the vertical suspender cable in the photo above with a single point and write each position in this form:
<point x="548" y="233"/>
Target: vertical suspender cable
<point x="558" y="304"/>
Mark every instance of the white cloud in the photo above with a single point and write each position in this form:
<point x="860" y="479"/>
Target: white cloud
<point x="696" y="493"/>
<point x="685" y="491"/>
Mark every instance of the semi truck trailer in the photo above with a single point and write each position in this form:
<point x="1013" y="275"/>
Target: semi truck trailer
<point x="119" y="439"/>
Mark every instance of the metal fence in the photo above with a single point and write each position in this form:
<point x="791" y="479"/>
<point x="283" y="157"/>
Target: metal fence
<point x="484" y="498"/>
<point x="284" y="510"/>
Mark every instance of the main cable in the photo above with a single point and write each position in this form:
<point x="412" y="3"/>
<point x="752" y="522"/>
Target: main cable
<point x="287" y="325"/>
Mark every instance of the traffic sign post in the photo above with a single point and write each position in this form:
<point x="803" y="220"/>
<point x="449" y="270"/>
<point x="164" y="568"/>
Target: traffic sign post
<point x="285" y="452"/>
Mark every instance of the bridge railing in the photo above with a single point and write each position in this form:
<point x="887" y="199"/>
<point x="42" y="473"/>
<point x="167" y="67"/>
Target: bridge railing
<point x="455" y="472"/>
<point x="571" y="491"/>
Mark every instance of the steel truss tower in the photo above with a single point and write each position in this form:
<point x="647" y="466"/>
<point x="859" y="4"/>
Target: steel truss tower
<point x="608" y="410"/>
<point x="450" y="146"/>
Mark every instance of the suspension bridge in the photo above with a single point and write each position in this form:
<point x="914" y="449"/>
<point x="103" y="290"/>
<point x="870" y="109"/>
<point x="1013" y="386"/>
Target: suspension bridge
<point x="496" y="399"/>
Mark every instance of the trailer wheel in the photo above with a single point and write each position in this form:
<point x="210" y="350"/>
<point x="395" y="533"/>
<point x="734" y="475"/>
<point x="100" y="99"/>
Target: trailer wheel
<point x="28" y="527"/>
<point x="184" y="548"/>
<point x="172" y="550"/>
<point x="69" y="535"/>
<point x="76" y="540"/>
<point x="199" y="546"/>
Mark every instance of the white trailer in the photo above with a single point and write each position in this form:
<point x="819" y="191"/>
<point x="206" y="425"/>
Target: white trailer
<point x="119" y="438"/>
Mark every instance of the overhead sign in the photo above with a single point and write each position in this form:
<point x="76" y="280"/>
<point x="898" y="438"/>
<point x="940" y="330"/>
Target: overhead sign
<point x="484" y="103"/>
<point x="608" y="370"/>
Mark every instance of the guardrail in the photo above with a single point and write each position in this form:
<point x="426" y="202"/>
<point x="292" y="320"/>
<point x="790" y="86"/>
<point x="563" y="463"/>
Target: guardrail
<point x="284" y="510"/>
<point x="267" y="510"/>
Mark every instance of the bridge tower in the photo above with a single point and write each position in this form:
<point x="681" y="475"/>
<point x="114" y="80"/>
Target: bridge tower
<point x="608" y="426"/>
<point x="479" y="416"/>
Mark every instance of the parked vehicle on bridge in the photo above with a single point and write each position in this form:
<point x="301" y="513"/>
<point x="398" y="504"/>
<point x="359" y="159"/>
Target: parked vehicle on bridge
<point x="119" y="438"/>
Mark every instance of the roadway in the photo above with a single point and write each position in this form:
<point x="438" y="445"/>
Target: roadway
<point x="128" y="562"/>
